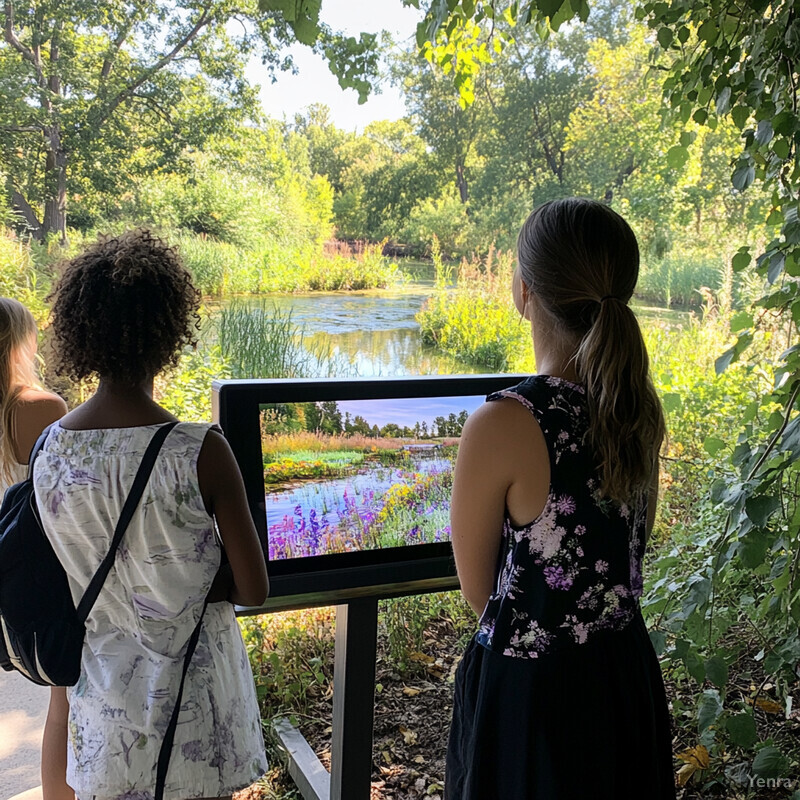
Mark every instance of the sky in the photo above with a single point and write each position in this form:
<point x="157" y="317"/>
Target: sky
<point x="407" y="412"/>
<point x="315" y="83"/>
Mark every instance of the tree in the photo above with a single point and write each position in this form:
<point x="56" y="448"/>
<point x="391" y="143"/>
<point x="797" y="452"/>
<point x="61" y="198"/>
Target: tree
<point x="389" y="169"/>
<point x="326" y="143"/>
<point x="441" y="121"/>
<point x="91" y="88"/>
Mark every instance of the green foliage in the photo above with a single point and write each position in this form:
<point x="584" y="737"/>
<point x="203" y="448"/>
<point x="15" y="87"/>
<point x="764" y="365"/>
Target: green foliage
<point x="186" y="391"/>
<point x="93" y="94"/>
<point x="446" y="219"/>
<point x="388" y="170"/>
<point x="208" y="202"/>
<point x="291" y="656"/>
<point x="678" y="278"/>
<point x="361" y="268"/>
<point x="404" y="621"/>
<point x="24" y="273"/>
<point x="477" y="322"/>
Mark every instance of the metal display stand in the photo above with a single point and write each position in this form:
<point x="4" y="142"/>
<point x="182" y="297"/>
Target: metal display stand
<point x="353" y="713"/>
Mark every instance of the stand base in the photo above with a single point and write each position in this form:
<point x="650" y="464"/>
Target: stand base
<point x="313" y="781"/>
<point x="353" y="702"/>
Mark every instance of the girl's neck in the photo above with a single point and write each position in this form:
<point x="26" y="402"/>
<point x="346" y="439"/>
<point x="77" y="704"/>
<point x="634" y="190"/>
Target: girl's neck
<point x="116" y="405"/>
<point x="554" y="353"/>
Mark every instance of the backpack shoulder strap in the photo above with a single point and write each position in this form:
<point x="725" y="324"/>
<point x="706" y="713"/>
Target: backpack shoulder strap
<point x="132" y="501"/>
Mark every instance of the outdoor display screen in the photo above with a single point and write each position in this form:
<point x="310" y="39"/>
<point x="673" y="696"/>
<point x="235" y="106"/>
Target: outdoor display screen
<point x="350" y="475"/>
<point x="349" y="481"/>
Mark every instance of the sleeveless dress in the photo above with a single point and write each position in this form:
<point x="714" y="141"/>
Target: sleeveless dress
<point x="137" y="632"/>
<point x="559" y="694"/>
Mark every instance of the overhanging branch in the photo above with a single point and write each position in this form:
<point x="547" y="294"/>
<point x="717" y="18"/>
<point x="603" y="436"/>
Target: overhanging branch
<point x="128" y="91"/>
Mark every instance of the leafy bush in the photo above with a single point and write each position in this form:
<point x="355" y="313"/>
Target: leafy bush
<point x="477" y="320"/>
<point x="186" y="391"/>
<point x="445" y="218"/>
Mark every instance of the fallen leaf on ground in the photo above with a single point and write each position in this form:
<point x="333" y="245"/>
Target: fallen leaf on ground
<point x="409" y="735"/>
<point x="695" y="759"/>
<point x="408" y="691"/>
<point x="770" y="706"/>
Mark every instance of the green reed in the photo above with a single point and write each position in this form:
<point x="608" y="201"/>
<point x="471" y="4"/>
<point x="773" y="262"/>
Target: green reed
<point x="260" y="341"/>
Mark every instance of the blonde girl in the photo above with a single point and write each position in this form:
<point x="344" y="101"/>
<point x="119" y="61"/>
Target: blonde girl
<point x="26" y="409"/>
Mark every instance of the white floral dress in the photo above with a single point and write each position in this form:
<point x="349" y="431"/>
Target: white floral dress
<point x="137" y="632"/>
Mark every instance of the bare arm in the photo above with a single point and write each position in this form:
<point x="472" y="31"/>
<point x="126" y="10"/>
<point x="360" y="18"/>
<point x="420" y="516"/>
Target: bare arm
<point x="33" y="413"/>
<point x="224" y="495"/>
<point x="480" y="483"/>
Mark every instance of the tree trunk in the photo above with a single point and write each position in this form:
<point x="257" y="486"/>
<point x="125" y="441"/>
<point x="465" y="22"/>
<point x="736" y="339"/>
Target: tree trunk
<point x="23" y="208"/>
<point x="55" y="205"/>
<point x="461" y="182"/>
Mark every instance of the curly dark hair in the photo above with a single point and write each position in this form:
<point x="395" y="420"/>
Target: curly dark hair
<point x="123" y="310"/>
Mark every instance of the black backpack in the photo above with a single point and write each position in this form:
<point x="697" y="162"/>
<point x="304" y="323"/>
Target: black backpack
<point x="41" y="631"/>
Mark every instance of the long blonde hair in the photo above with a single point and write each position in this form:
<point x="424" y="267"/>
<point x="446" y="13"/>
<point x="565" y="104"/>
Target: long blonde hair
<point x="581" y="261"/>
<point x="17" y="372"/>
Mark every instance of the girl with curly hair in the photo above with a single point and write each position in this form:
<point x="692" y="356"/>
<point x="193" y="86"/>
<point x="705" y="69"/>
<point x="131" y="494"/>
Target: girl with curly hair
<point x="123" y="311"/>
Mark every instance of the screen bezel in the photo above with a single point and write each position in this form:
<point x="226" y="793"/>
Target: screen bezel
<point x="336" y="577"/>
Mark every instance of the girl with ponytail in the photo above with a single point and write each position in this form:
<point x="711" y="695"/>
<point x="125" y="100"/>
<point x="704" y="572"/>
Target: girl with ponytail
<point x="559" y="694"/>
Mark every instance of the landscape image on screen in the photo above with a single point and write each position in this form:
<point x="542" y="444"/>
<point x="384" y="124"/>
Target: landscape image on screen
<point x="346" y="475"/>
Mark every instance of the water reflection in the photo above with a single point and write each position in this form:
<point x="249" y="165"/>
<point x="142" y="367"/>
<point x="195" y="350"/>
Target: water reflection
<point x="368" y="334"/>
<point x="383" y="353"/>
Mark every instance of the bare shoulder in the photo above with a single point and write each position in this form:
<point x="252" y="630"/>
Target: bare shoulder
<point x="34" y="411"/>
<point x="500" y="421"/>
<point x="215" y="460"/>
<point x="40" y="402"/>
<point x="214" y="446"/>
<point x="217" y="470"/>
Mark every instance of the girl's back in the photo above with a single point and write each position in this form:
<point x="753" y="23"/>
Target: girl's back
<point x="574" y="571"/>
<point x="144" y="616"/>
<point x="123" y="311"/>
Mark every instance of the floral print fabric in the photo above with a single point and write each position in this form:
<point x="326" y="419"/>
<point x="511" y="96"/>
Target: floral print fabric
<point x="137" y="632"/>
<point x="576" y="570"/>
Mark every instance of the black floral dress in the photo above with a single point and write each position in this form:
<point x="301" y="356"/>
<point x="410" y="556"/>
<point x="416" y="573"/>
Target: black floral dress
<point x="559" y="695"/>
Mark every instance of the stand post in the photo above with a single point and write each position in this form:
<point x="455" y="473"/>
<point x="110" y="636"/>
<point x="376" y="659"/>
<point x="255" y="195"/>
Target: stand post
<point x="353" y="699"/>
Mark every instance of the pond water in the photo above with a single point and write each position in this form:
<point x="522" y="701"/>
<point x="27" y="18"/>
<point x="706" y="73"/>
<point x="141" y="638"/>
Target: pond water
<point x="375" y="333"/>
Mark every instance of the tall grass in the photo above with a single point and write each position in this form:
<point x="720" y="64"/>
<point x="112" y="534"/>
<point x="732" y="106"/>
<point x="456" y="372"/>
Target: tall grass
<point x="257" y="340"/>
<point x="477" y="320"/>
<point x="25" y="272"/>
<point x="677" y="279"/>
<point x="220" y="268"/>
